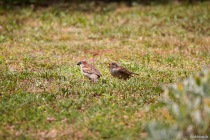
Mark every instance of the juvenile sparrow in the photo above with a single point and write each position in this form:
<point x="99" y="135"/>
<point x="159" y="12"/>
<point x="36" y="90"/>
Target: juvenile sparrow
<point x="89" y="71"/>
<point x="120" y="72"/>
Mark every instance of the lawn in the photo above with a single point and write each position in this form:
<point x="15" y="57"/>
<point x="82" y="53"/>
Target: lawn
<point x="43" y="95"/>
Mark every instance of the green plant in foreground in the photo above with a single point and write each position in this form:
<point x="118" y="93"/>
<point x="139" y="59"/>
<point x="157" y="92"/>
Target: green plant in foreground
<point x="188" y="103"/>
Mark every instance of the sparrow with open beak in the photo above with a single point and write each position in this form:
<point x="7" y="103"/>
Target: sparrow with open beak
<point x="89" y="71"/>
<point x="120" y="72"/>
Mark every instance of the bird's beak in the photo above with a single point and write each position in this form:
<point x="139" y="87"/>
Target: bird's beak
<point x="79" y="63"/>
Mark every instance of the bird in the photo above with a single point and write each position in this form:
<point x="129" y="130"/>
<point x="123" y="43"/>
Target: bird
<point x="89" y="71"/>
<point x="119" y="71"/>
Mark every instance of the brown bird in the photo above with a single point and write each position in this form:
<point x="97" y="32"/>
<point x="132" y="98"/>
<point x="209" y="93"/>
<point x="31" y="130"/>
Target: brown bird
<point x="89" y="71"/>
<point x="120" y="72"/>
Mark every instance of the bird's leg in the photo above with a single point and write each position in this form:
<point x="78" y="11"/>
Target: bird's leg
<point x="90" y="79"/>
<point x="94" y="80"/>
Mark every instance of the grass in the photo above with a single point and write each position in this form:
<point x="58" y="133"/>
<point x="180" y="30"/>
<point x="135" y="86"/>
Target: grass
<point x="43" y="94"/>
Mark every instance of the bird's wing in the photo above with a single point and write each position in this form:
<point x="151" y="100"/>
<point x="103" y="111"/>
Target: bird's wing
<point x="90" y="69"/>
<point x="125" y="71"/>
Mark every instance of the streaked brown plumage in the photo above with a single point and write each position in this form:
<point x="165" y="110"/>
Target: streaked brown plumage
<point x="120" y="72"/>
<point x="89" y="71"/>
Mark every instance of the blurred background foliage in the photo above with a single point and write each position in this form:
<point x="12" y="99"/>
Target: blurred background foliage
<point x="188" y="103"/>
<point x="129" y="2"/>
